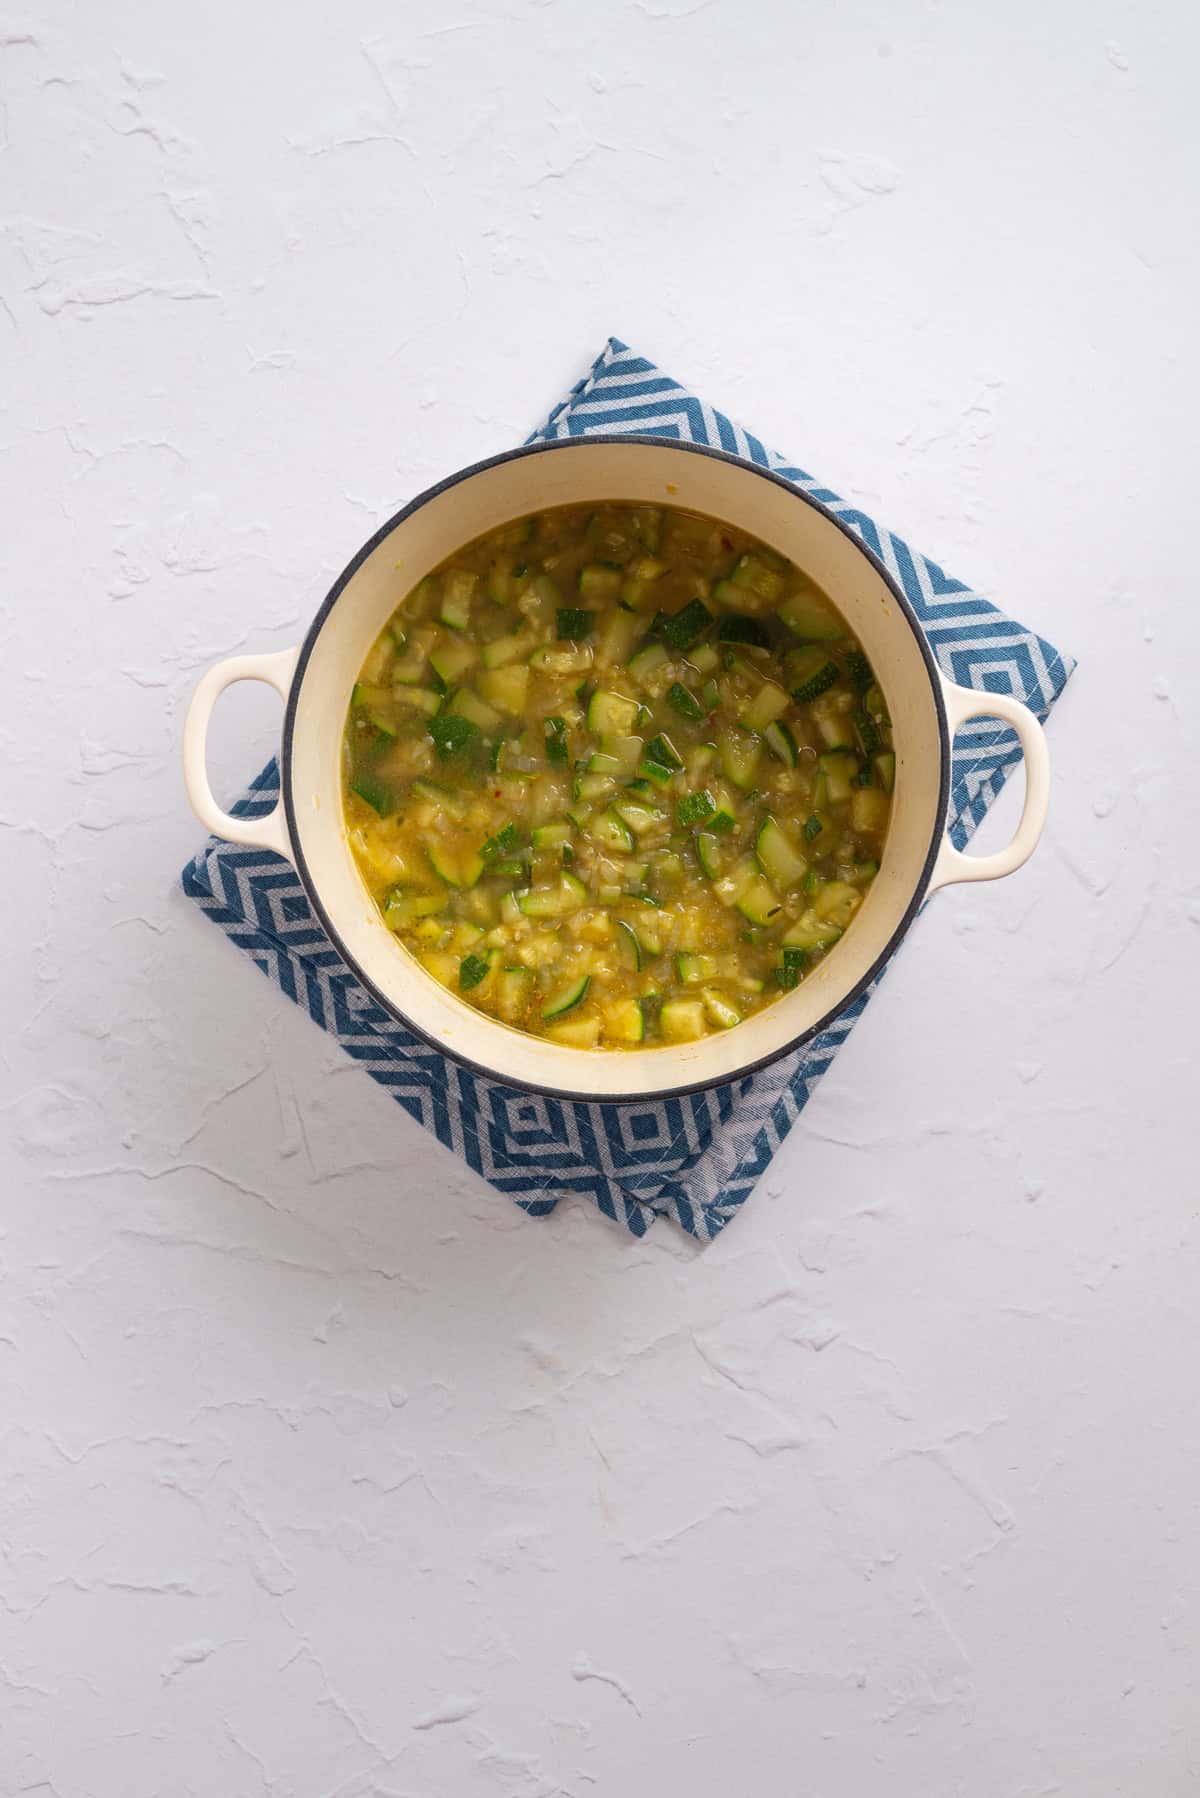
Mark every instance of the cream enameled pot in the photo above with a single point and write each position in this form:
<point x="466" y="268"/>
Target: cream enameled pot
<point x="315" y="682"/>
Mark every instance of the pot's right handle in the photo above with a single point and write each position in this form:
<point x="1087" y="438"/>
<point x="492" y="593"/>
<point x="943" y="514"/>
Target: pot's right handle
<point x="259" y="833"/>
<point x="971" y="702"/>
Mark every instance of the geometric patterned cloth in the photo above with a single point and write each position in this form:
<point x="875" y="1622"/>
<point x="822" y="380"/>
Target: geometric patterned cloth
<point x="693" y="1159"/>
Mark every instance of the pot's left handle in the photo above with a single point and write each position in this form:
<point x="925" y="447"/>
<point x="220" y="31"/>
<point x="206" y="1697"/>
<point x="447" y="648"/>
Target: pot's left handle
<point x="973" y="702"/>
<point x="270" y="832"/>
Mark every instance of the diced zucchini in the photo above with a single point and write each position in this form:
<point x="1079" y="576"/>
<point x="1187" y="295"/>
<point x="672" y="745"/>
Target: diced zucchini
<point x="552" y="835"/>
<point x="719" y="1011"/>
<point x="629" y="946"/>
<point x="660" y="749"/>
<point x="612" y="832"/>
<point x="740" y="753"/>
<point x="839" y="767"/>
<point x="625" y="1021"/>
<point x="835" y="725"/>
<point x="885" y="768"/>
<point x="557" y="743"/>
<point x="458" y="589"/>
<point x="504" y="650"/>
<point x="474" y="969"/>
<point x="811" y="932"/>
<point x="780" y="741"/>
<point x="811" y="672"/>
<point x="682" y="1020"/>
<point x="506" y="688"/>
<point x="708" y="854"/>
<point x="594" y="786"/>
<point x="769" y="703"/>
<point x="837" y="902"/>
<point x="807" y="614"/>
<point x="600" y="581"/>
<point x="572" y="623"/>
<point x="758" y="901"/>
<point x="722" y="822"/>
<point x="639" y="817"/>
<point x="582" y="1032"/>
<point x="615" y="644"/>
<point x="454" y="805"/>
<point x="410" y="669"/>
<point x="567" y="997"/>
<point x="685" y="703"/>
<point x="375" y="792"/>
<point x="567" y="895"/>
<point x="422" y="699"/>
<point x="694" y="970"/>
<point x="697" y="808"/>
<point x="636" y="587"/>
<point x="379" y="660"/>
<point x="736" y="627"/>
<point x="684" y="627"/>
<point x="562" y="658"/>
<point x="451" y="734"/>
<point x="868" y="811"/>
<point x="778" y="856"/>
<point x="458" y="868"/>
<point x="451" y="660"/>
<point x="611" y="714"/>
<point x="791" y="969"/>
<point x="513" y="987"/>
<point x="647" y="661"/>
<point x="653" y="772"/>
<point x="752" y="574"/>
<point x="466" y="704"/>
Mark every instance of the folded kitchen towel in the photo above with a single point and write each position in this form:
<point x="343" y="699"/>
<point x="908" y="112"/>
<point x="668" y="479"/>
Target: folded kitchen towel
<point x="693" y="1159"/>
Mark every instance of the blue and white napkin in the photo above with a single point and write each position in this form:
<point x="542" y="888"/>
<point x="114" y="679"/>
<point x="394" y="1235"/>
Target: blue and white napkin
<point x="694" y="1159"/>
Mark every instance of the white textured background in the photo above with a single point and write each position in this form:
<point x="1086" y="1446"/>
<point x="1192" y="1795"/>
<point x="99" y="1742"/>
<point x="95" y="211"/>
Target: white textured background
<point x="324" y="1470"/>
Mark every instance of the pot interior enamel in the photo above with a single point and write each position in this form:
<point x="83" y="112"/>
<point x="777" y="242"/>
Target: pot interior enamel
<point x="582" y="471"/>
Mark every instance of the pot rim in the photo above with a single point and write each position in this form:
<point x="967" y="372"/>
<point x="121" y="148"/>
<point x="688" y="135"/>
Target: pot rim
<point x="493" y="1074"/>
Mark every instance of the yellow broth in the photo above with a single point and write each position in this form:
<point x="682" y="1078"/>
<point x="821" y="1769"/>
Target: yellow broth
<point x="617" y="776"/>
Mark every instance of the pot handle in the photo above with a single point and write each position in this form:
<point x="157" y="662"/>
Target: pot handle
<point x="269" y="832"/>
<point x="971" y="702"/>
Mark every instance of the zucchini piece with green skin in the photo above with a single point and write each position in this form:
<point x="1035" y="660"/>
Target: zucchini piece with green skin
<point x="740" y="755"/>
<point x="813" y="828"/>
<point x="453" y="804"/>
<point x="811" y="673"/>
<point x="374" y="792"/>
<point x="736" y="627"/>
<point x="474" y="969"/>
<point x="468" y="705"/>
<point x="719" y="1011"/>
<point x="654" y="772"/>
<point x="513" y="987"/>
<point x="558" y="751"/>
<point x="503" y="843"/>
<point x="809" y="617"/>
<point x="682" y="1020"/>
<point x="572" y="623"/>
<point x="555" y="901"/>
<point x="461" y="869"/>
<point x="625" y="1021"/>
<point x="839" y="767"/>
<point x="451" y="734"/>
<point x="811" y="932"/>
<point x="685" y="703"/>
<point x="600" y="581"/>
<point x="458" y="589"/>
<point x="660" y="749"/>
<point x="859" y="670"/>
<point x="710" y="695"/>
<point x="402" y="908"/>
<point x="639" y="817"/>
<point x="837" y="731"/>
<point x="694" y="970"/>
<point x="611" y="714"/>
<point x="612" y="832"/>
<point x="708" y="854"/>
<point x="629" y="946"/>
<point x="578" y="1032"/>
<point x="768" y="704"/>
<point x="758" y="902"/>
<point x="567" y="998"/>
<point x="791" y="969"/>
<point x="753" y="575"/>
<point x="778" y="857"/>
<point x="885" y="768"/>
<point x="722" y="822"/>
<point x="685" y="627"/>
<point x="410" y="669"/>
<point x="780" y="741"/>
<point x="422" y="699"/>
<point x="594" y="786"/>
<point x="647" y="661"/>
<point x="552" y="835"/>
<point x="697" y="808"/>
<point x="705" y="658"/>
